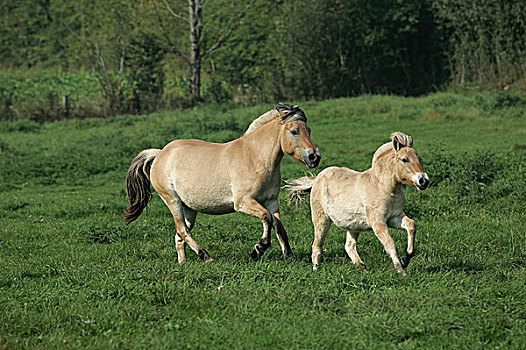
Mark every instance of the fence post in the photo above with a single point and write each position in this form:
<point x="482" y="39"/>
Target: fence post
<point x="65" y="105"/>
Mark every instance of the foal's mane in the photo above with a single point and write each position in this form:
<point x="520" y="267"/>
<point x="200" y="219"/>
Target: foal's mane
<point x="381" y="150"/>
<point x="403" y="140"/>
<point x="294" y="113"/>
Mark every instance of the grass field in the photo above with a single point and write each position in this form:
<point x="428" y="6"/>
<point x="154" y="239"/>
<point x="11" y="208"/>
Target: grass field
<point x="73" y="275"/>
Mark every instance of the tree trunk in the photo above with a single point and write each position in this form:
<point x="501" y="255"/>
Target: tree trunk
<point x="196" y="29"/>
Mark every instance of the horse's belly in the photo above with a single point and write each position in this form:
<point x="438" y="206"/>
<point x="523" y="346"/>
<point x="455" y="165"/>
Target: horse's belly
<point x="204" y="193"/>
<point x="208" y="200"/>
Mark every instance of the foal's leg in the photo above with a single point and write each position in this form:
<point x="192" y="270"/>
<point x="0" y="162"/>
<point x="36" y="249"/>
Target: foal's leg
<point x="403" y="221"/>
<point x="280" y="229"/>
<point x="350" y="248"/>
<point x="322" y="223"/>
<point x="382" y="232"/>
<point x="176" y="207"/>
<point x="250" y="206"/>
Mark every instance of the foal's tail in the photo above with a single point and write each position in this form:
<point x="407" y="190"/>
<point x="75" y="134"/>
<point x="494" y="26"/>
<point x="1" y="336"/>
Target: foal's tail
<point x="138" y="184"/>
<point x="299" y="188"/>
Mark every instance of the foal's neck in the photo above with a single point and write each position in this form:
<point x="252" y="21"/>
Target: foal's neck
<point x="383" y="170"/>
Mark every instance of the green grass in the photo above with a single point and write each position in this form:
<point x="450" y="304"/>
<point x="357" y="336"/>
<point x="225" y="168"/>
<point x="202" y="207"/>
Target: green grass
<point x="73" y="275"/>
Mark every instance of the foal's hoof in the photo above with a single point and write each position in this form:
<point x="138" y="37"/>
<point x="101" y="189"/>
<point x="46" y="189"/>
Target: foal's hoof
<point x="401" y="271"/>
<point x="209" y="260"/>
<point x="362" y="267"/>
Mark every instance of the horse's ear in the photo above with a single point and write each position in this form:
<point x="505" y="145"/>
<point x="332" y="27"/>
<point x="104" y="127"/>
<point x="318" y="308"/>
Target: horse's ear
<point x="396" y="143"/>
<point x="283" y="109"/>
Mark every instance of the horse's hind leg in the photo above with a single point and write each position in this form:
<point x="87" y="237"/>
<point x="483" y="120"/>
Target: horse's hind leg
<point x="350" y="248"/>
<point x="177" y="208"/>
<point x="180" y="245"/>
<point x="189" y="217"/>
<point x="322" y="223"/>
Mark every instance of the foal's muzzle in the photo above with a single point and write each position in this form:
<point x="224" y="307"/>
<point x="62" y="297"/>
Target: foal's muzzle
<point x="311" y="157"/>
<point x="421" y="181"/>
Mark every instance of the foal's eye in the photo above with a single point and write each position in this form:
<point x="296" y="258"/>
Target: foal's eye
<point x="405" y="160"/>
<point x="294" y="132"/>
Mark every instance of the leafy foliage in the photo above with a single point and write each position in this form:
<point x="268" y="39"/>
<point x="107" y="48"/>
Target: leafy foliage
<point x="292" y="49"/>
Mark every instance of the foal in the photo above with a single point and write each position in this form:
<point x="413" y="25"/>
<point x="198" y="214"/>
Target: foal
<point x="361" y="201"/>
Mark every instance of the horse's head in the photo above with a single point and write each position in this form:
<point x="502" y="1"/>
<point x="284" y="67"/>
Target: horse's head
<point x="407" y="162"/>
<point x="295" y="136"/>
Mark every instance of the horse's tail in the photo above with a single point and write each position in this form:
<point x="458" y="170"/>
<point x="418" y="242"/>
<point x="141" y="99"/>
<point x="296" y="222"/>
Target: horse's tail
<point x="138" y="184"/>
<point x="299" y="188"/>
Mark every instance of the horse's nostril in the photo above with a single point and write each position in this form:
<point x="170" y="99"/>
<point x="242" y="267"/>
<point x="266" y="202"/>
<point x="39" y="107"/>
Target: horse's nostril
<point x="312" y="157"/>
<point x="423" y="182"/>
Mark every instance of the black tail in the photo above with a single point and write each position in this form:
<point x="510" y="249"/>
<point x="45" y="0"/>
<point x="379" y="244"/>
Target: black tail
<point x="138" y="184"/>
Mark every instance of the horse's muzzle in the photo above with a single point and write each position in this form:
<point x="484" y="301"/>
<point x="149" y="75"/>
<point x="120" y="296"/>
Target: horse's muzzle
<point x="311" y="157"/>
<point x="422" y="181"/>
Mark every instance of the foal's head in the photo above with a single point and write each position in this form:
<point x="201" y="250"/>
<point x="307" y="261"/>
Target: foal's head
<point x="407" y="162"/>
<point x="295" y="136"/>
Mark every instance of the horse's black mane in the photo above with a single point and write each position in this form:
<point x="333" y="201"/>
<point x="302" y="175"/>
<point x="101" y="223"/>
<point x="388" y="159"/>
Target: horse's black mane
<point x="294" y="112"/>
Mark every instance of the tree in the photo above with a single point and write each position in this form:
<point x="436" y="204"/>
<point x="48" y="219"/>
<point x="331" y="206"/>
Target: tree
<point x="100" y="34"/>
<point x="205" y="38"/>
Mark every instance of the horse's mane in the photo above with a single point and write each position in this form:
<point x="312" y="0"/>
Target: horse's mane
<point x="293" y="113"/>
<point x="262" y="119"/>
<point x="402" y="139"/>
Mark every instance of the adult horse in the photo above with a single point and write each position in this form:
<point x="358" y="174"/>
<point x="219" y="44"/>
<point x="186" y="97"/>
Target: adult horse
<point x="243" y="175"/>
<point x="361" y="201"/>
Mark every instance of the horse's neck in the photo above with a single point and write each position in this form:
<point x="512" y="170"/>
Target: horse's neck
<point x="264" y="144"/>
<point x="384" y="172"/>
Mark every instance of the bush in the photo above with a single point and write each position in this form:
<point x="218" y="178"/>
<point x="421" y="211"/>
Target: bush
<point x="477" y="176"/>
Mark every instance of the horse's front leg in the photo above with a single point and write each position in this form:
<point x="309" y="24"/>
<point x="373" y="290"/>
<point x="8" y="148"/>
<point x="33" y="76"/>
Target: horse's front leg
<point x="250" y="206"/>
<point x="382" y="232"/>
<point x="280" y="229"/>
<point x="405" y="222"/>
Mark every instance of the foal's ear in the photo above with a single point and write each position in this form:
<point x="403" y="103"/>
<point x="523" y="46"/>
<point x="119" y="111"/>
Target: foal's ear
<point x="401" y="140"/>
<point x="397" y="145"/>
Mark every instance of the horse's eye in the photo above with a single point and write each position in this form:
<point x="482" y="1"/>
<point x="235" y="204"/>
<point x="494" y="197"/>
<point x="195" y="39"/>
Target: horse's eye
<point x="294" y="132"/>
<point x="405" y="160"/>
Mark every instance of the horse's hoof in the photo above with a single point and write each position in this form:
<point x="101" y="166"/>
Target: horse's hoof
<point x="314" y="267"/>
<point x="209" y="260"/>
<point x="203" y="255"/>
<point x="405" y="260"/>
<point x="254" y="254"/>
